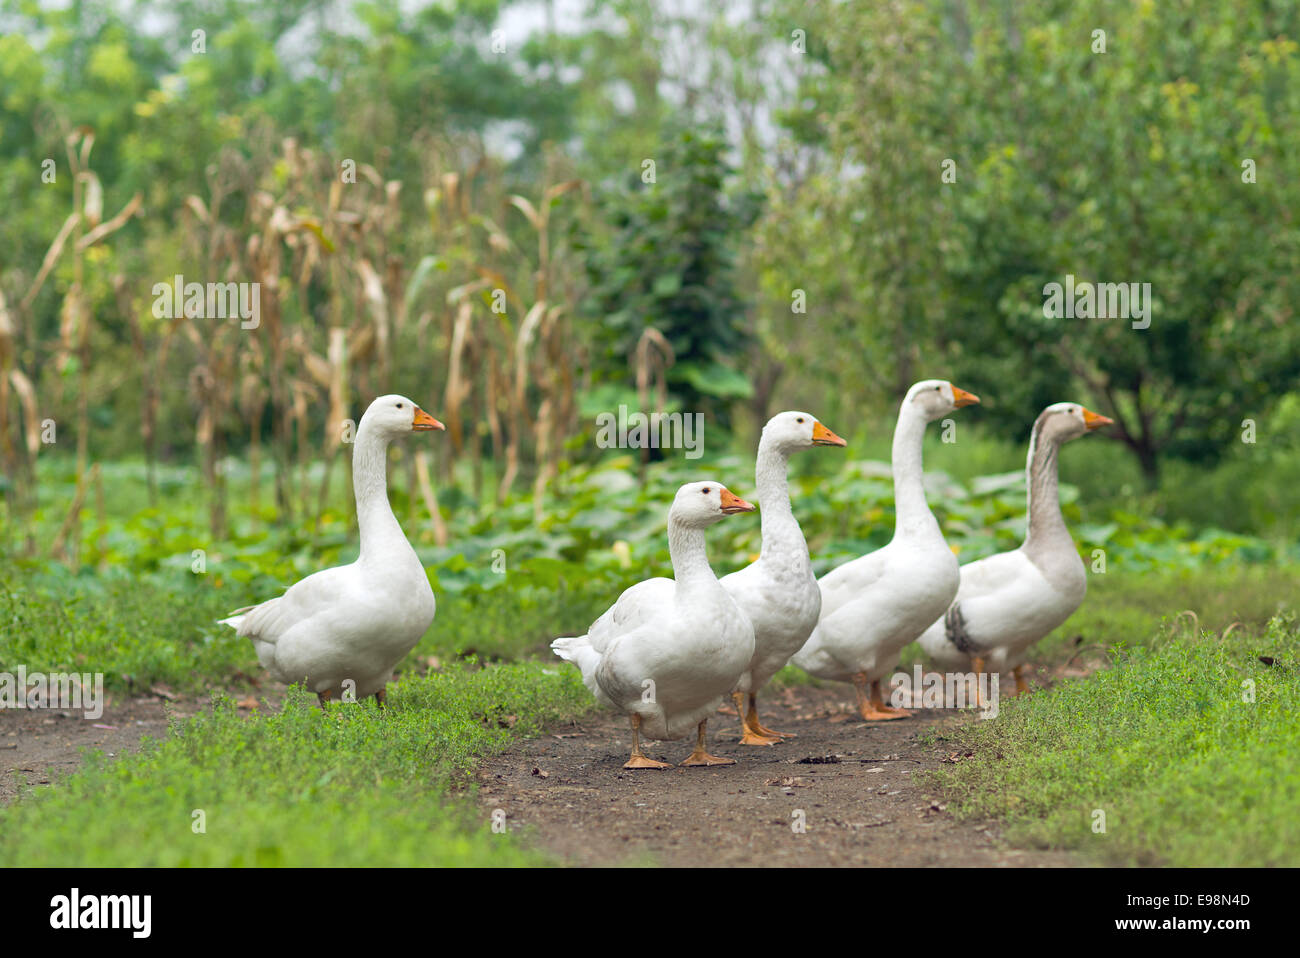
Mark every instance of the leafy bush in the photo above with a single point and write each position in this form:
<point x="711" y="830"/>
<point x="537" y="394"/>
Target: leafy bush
<point x="506" y="583"/>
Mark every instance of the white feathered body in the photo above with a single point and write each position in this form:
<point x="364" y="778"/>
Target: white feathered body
<point x="346" y="628"/>
<point x="781" y="598"/>
<point x="778" y="592"/>
<point x="874" y="606"/>
<point x="1005" y="604"/>
<point x="354" y="622"/>
<point x="666" y="653"/>
<point x="1009" y="601"/>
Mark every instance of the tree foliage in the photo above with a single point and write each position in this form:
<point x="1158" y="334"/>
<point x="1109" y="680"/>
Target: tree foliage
<point x="1121" y="158"/>
<point x="667" y="263"/>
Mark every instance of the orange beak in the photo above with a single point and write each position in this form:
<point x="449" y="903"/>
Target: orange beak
<point x="423" y="422"/>
<point x="1093" y="421"/>
<point x="732" y="503"/>
<point x="961" y="397"/>
<point x="824" y="437"/>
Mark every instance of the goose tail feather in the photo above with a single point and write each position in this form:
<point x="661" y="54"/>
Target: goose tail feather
<point x="577" y="649"/>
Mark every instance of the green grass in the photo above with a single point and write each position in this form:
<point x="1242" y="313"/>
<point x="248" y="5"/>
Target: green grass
<point x="353" y="785"/>
<point x="515" y="620"/>
<point x="298" y="787"/>
<point x="140" y="630"/>
<point x="1186" y="771"/>
<point x="1133" y="609"/>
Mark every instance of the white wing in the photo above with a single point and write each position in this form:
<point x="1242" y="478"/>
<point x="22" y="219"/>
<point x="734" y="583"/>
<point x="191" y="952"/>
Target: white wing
<point x="322" y="592"/>
<point x="845" y="583"/>
<point x="996" y="573"/>
<point x="637" y="606"/>
<point x="1005" y="602"/>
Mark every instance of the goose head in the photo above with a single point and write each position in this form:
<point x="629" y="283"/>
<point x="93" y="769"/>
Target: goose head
<point x="791" y="431"/>
<point x="700" y="504"/>
<point x="395" y="416"/>
<point x="935" y="398"/>
<point x="1064" y="421"/>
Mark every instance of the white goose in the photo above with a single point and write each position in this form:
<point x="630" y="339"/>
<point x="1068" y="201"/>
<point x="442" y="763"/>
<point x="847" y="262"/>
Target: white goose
<point x="875" y="605"/>
<point x="778" y="591"/>
<point x="353" y="623"/>
<point x="1009" y="601"/>
<point x="667" y="658"/>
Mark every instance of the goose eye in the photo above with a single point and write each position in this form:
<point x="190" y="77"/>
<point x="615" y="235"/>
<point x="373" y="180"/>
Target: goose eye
<point x="399" y="405"/>
<point x="800" y="419"/>
<point x="705" y="491"/>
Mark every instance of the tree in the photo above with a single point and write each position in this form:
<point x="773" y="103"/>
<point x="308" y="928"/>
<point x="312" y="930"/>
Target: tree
<point x="667" y="263"/>
<point x="1115" y="159"/>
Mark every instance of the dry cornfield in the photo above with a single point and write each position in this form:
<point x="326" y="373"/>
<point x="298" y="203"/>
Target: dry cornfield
<point x="450" y="288"/>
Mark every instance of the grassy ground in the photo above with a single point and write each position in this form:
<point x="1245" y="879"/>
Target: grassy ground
<point x="353" y="786"/>
<point x="1137" y="609"/>
<point x="1186" y="772"/>
<point x="142" y="630"/>
<point x="291" y="787"/>
<point x="138" y="631"/>
<point x="1184" y="751"/>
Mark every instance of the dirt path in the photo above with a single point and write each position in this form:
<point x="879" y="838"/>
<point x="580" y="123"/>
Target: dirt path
<point x="41" y="746"/>
<point x="852" y="784"/>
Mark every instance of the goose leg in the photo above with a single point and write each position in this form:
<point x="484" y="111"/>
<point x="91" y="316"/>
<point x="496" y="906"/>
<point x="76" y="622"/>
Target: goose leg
<point x="1021" y="684"/>
<point x="323" y="697"/>
<point x="639" y="758"/>
<point x="381" y="697"/>
<point x="877" y="699"/>
<point x="752" y="721"/>
<point x="870" y="707"/>
<point x="978" y="662"/>
<point x="700" y="756"/>
<point x="749" y="734"/>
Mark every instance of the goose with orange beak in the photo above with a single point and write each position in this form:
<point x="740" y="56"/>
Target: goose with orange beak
<point x="669" y="650"/>
<point x="778" y="591"/>
<point x="873" y="606"/>
<point x="1009" y="601"/>
<point x="343" y="630"/>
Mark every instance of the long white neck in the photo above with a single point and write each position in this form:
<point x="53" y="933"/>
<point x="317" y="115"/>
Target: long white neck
<point x="912" y="515"/>
<point x="1047" y="527"/>
<point x="783" y="540"/>
<point x="691" y="568"/>
<point x="379" y="528"/>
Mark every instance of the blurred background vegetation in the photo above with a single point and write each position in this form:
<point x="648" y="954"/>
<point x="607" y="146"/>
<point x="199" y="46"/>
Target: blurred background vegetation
<point x="731" y="208"/>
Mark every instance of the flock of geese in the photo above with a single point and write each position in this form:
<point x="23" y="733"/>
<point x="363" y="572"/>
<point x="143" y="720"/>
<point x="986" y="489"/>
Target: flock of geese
<point x="668" y="652"/>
